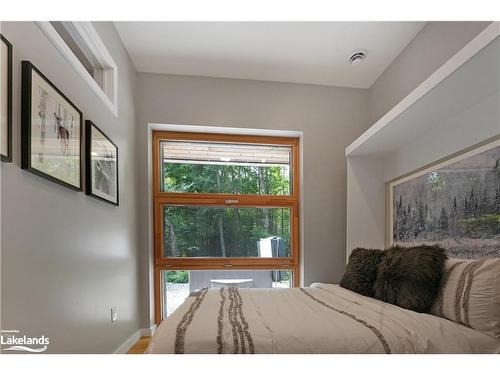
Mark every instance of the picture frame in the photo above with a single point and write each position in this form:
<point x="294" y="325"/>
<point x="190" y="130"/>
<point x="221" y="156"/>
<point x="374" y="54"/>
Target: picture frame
<point x="101" y="165"/>
<point x="51" y="131"/>
<point x="6" y="56"/>
<point x="453" y="202"/>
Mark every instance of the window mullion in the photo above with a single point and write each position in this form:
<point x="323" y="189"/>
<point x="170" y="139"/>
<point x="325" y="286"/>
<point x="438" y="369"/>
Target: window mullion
<point x="226" y="199"/>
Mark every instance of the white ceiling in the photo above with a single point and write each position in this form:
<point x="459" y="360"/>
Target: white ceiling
<point x="302" y="52"/>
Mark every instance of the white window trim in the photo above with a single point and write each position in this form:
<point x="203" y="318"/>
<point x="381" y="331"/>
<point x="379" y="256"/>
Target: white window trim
<point x="109" y="93"/>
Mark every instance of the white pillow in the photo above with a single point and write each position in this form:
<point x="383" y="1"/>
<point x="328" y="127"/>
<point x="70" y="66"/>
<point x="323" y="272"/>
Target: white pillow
<point x="470" y="294"/>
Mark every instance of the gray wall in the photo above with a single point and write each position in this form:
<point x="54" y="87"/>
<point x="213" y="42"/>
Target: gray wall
<point x="431" y="48"/>
<point x="67" y="258"/>
<point x="331" y="118"/>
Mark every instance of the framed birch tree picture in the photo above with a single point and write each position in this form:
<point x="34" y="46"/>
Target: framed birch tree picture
<point x="101" y="165"/>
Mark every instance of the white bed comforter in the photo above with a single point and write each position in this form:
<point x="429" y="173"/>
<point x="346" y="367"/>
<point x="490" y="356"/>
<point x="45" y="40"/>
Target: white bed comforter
<point x="324" y="318"/>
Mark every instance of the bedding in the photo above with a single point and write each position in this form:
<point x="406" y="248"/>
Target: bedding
<point x="323" y="318"/>
<point x="470" y="294"/>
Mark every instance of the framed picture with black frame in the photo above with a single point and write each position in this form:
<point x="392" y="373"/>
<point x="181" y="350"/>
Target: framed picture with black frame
<point x="454" y="203"/>
<point x="51" y="131"/>
<point x="101" y="167"/>
<point x="6" y="99"/>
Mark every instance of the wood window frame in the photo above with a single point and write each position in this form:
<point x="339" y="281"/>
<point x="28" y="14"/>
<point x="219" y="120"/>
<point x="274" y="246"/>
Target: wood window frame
<point x="160" y="199"/>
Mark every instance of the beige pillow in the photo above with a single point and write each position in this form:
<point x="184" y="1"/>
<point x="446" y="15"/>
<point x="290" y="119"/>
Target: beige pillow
<point x="470" y="294"/>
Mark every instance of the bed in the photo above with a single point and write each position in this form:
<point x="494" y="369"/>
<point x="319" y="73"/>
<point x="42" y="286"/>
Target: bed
<point x="323" y="318"/>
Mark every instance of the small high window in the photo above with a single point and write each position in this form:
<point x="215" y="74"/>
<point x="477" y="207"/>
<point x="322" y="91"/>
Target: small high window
<point x="82" y="47"/>
<point x="77" y="45"/>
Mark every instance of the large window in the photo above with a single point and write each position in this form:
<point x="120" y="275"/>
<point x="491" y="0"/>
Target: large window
<point x="226" y="209"/>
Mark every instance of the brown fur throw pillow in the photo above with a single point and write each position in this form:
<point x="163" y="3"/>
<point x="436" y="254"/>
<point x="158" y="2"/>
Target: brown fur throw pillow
<point x="410" y="277"/>
<point x="361" y="271"/>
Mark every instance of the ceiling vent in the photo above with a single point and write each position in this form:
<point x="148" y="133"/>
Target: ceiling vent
<point x="357" y="56"/>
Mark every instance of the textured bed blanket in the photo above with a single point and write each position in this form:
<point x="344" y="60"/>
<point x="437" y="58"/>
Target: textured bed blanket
<point x="324" y="318"/>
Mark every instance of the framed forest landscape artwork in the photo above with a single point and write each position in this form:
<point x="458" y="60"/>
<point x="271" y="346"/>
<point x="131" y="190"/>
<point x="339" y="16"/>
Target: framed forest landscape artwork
<point x="50" y="131"/>
<point x="5" y="99"/>
<point x="101" y="165"/>
<point x="454" y="203"/>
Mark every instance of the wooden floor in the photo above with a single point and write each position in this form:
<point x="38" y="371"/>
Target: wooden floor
<point x="140" y="346"/>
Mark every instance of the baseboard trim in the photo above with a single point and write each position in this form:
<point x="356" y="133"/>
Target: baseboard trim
<point x="125" y="347"/>
<point x="143" y="332"/>
<point x="148" y="332"/>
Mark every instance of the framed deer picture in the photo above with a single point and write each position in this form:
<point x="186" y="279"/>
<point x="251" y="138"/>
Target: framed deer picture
<point x="101" y="167"/>
<point x="51" y="130"/>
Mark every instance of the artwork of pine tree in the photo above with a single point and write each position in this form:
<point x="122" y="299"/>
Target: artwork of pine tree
<point x="456" y="206"/>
